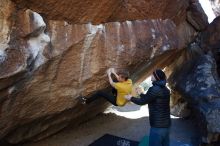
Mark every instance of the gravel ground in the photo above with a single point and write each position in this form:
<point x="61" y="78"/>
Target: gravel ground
<point x="130" y="122"/>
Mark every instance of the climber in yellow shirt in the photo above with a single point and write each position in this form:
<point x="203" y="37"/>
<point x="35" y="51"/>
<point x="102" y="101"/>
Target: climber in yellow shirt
<point x="123" y="87"/>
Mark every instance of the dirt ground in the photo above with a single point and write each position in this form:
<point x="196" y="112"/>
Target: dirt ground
<point x="129" y="122"/>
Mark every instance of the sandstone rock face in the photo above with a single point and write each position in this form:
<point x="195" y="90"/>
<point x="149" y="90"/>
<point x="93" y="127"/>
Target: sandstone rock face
<point x="96" y="11"/>
<point x="196" y="15"/>
<point x="186" y="34"/>
<point x="47" y="66"/>
<point x="5" y="11"/>
<point x="24" y="51"/>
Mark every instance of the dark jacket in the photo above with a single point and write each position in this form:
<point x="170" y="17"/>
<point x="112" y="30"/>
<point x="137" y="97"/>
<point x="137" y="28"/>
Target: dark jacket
<point x="158" y="100"/>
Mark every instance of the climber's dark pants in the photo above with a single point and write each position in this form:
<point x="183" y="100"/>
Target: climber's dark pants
<point x="100" y="94"/>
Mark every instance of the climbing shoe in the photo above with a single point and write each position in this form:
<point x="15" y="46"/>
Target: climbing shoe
<point x="83" y="99"/>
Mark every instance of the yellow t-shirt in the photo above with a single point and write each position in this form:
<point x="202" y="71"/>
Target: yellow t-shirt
<point x="123" y="88"/>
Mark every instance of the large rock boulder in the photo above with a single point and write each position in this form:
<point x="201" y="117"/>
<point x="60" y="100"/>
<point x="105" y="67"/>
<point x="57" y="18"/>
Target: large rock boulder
<point x="47" y="62"/>
<point x="196" y="15"/>
<point x="210" y="40"/>
<point x="195" y="80"/>
<point x="198" y="83"/>
<point x="179" y="107"/>
<point x="45" y="66"/>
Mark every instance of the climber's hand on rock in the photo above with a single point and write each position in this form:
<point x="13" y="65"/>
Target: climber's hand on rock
<point x="109" y="71"/>
<point x="113" y="70"/>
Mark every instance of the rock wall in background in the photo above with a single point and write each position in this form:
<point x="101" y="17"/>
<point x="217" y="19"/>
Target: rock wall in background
<point x="210" y="40"/>
<point x="195" y="76"/>
<point x="196" y="15"/>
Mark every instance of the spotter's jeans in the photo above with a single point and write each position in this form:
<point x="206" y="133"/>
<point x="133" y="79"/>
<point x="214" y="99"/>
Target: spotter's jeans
<point x="159" y="136"/>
